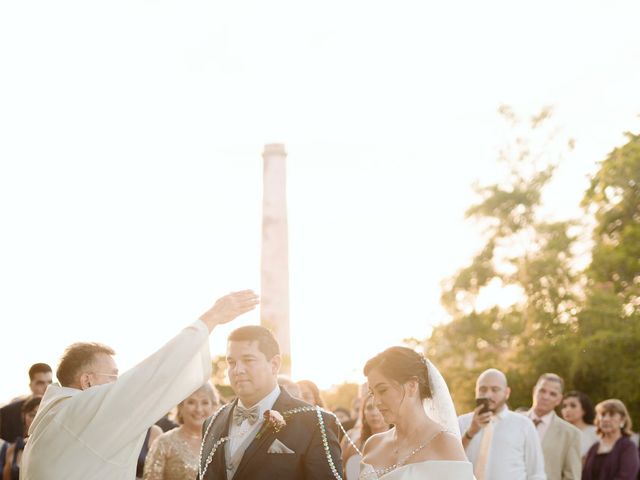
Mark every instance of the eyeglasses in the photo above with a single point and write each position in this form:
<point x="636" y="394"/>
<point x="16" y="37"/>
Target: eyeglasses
<point x="112" y="375"/>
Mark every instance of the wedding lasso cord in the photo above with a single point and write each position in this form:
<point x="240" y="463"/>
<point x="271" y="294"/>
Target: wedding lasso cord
<point x="219" y="442"/>
<point x="323" y="433"/>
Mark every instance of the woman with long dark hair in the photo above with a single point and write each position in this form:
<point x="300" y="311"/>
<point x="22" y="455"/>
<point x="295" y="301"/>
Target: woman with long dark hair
<point x="424" y="441"/>
<point x="371" y="422"/>
<point x="13" y="456"/>
<point x="578" y="410"/>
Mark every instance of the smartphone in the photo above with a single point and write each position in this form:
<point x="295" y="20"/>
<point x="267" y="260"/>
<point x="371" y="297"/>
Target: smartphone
<point x="485" y="404"/>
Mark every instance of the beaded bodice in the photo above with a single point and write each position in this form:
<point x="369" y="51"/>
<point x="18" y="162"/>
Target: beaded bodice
<point x="171" y="457"/>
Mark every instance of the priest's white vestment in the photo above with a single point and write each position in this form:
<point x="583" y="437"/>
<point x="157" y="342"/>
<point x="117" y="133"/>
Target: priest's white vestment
<point x="98" y="433"/>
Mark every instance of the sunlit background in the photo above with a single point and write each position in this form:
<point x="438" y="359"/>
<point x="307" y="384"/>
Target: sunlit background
<point x="131" y="135"/>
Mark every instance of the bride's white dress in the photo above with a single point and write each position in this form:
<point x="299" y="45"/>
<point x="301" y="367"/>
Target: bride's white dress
<point x="429" y="470"/>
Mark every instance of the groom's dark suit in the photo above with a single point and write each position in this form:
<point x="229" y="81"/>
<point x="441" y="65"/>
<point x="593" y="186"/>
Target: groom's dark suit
<point x="301" y="434"/>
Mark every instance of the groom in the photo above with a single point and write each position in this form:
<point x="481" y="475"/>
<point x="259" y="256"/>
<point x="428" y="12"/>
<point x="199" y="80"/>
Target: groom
<point x="239" y="444"/>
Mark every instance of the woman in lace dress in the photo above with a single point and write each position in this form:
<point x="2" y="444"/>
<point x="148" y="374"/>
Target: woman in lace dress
<point x="425" y="441"/>
<point x="174" y="455"/>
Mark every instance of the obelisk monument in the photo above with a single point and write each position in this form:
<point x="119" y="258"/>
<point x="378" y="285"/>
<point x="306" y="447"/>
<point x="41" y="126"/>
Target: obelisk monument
<point x="274" y="290"/>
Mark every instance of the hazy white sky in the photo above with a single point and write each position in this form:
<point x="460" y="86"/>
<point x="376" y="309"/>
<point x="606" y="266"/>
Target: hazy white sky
<point x="131" y="135"/>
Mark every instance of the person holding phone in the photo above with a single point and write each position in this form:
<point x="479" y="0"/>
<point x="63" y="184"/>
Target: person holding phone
<point x="501" y="444"/>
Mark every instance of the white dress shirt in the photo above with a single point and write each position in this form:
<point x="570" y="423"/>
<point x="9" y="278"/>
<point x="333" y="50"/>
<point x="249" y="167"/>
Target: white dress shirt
<point x="588" y="437"/>
<point x="240" y="434"/>
<point x="545" y="422"/>
<point x="98" y="433"/>
<point x="515" y="453"/>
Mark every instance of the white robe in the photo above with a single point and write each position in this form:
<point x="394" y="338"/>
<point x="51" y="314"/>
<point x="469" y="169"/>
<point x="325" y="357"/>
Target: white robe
<point x="98" y="433"/>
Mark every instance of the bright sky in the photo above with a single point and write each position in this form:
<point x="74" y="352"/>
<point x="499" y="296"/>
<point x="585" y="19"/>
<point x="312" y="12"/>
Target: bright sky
<point x="131" y="134"/>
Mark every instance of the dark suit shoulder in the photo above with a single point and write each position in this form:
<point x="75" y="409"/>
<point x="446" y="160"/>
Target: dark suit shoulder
<point x="11" y="421"/>
<point x="13" y="407"/>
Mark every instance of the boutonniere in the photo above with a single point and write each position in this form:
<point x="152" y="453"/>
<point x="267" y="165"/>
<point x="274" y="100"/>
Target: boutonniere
<point x="273" y="420"/>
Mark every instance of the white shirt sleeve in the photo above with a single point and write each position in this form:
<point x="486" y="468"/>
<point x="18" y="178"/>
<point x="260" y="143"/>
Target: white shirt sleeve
<point x="464" y="421"/>
<point x="108" y="417"/>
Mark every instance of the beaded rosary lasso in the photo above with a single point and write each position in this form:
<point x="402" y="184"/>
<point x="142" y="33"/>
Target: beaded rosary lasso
<point x="286" y="414"/>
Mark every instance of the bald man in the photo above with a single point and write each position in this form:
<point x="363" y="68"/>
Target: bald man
<point x="501" y="444"/>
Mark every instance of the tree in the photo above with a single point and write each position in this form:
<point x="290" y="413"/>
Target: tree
<point x="609" y="323"/>
<point x="524" y="254"/>
<point x="614" y="198"/>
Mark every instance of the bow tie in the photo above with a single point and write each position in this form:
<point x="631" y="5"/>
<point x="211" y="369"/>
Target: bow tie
<point x="241" y="414"/>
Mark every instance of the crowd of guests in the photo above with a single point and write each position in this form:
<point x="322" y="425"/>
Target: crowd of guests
<point x="16" y="418"/>
<point x="584" y="442"/>
<point x="588" y="443"/>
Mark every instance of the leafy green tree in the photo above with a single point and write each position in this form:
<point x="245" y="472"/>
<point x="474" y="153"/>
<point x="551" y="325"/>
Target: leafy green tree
<point x="605" y="364"/>
<point x="585" y="325"/>
<point x="525" y="254"/>
<point x="614" y="197"/>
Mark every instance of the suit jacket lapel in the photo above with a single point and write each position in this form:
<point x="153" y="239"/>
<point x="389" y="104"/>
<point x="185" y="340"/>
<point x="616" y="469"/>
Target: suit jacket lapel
<point x="282" y="403"/>
<point x="218" y="430"/>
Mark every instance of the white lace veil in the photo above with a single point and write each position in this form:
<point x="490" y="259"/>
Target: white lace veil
<point x="440" y="406"/>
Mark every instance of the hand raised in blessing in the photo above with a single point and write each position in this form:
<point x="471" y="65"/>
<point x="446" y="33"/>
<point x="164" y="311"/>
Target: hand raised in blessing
<point x="229" y="307"/>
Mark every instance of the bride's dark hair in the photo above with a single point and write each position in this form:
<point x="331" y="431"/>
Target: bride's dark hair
<point x="401" y="364"/>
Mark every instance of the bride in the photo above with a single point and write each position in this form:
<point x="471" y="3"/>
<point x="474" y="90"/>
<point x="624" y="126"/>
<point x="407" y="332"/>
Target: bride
<point x="425" y="440"/>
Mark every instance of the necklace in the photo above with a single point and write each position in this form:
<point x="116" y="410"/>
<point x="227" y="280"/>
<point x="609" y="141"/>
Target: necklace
<point x="401" y="462"/>
<point x="384" y="470"/>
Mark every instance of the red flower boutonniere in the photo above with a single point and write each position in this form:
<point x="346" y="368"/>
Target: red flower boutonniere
<point x="272" y="420"/>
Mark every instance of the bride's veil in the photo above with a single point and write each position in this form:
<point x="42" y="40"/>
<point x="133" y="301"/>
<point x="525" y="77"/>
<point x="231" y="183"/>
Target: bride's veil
<point x="440" y="406"/>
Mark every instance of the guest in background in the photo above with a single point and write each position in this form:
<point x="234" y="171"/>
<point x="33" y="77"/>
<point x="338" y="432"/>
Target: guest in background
<point x="577" y="409"/>
<point x="501" y="444"/>
<point x="290" y="386"/>
<point x="13" y="456"/>
<point x="3" y="451"/>
<point x="560" y="440"/>
<point x="342" y="414"/>
<point x="174" y="455"/>
<point x="310" y="393"/>
<point x="40" y="377"/>
<point x="351" y="421"/>
<point x="614" y="456"/>
<point x="154" y="432"/>
<point x="166" y="424"/>
<point x="371" y="422"/>
<point x="356" y="404"/>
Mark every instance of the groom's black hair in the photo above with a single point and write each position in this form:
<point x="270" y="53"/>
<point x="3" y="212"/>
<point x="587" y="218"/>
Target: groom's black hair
<point x="267" y="343"/>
